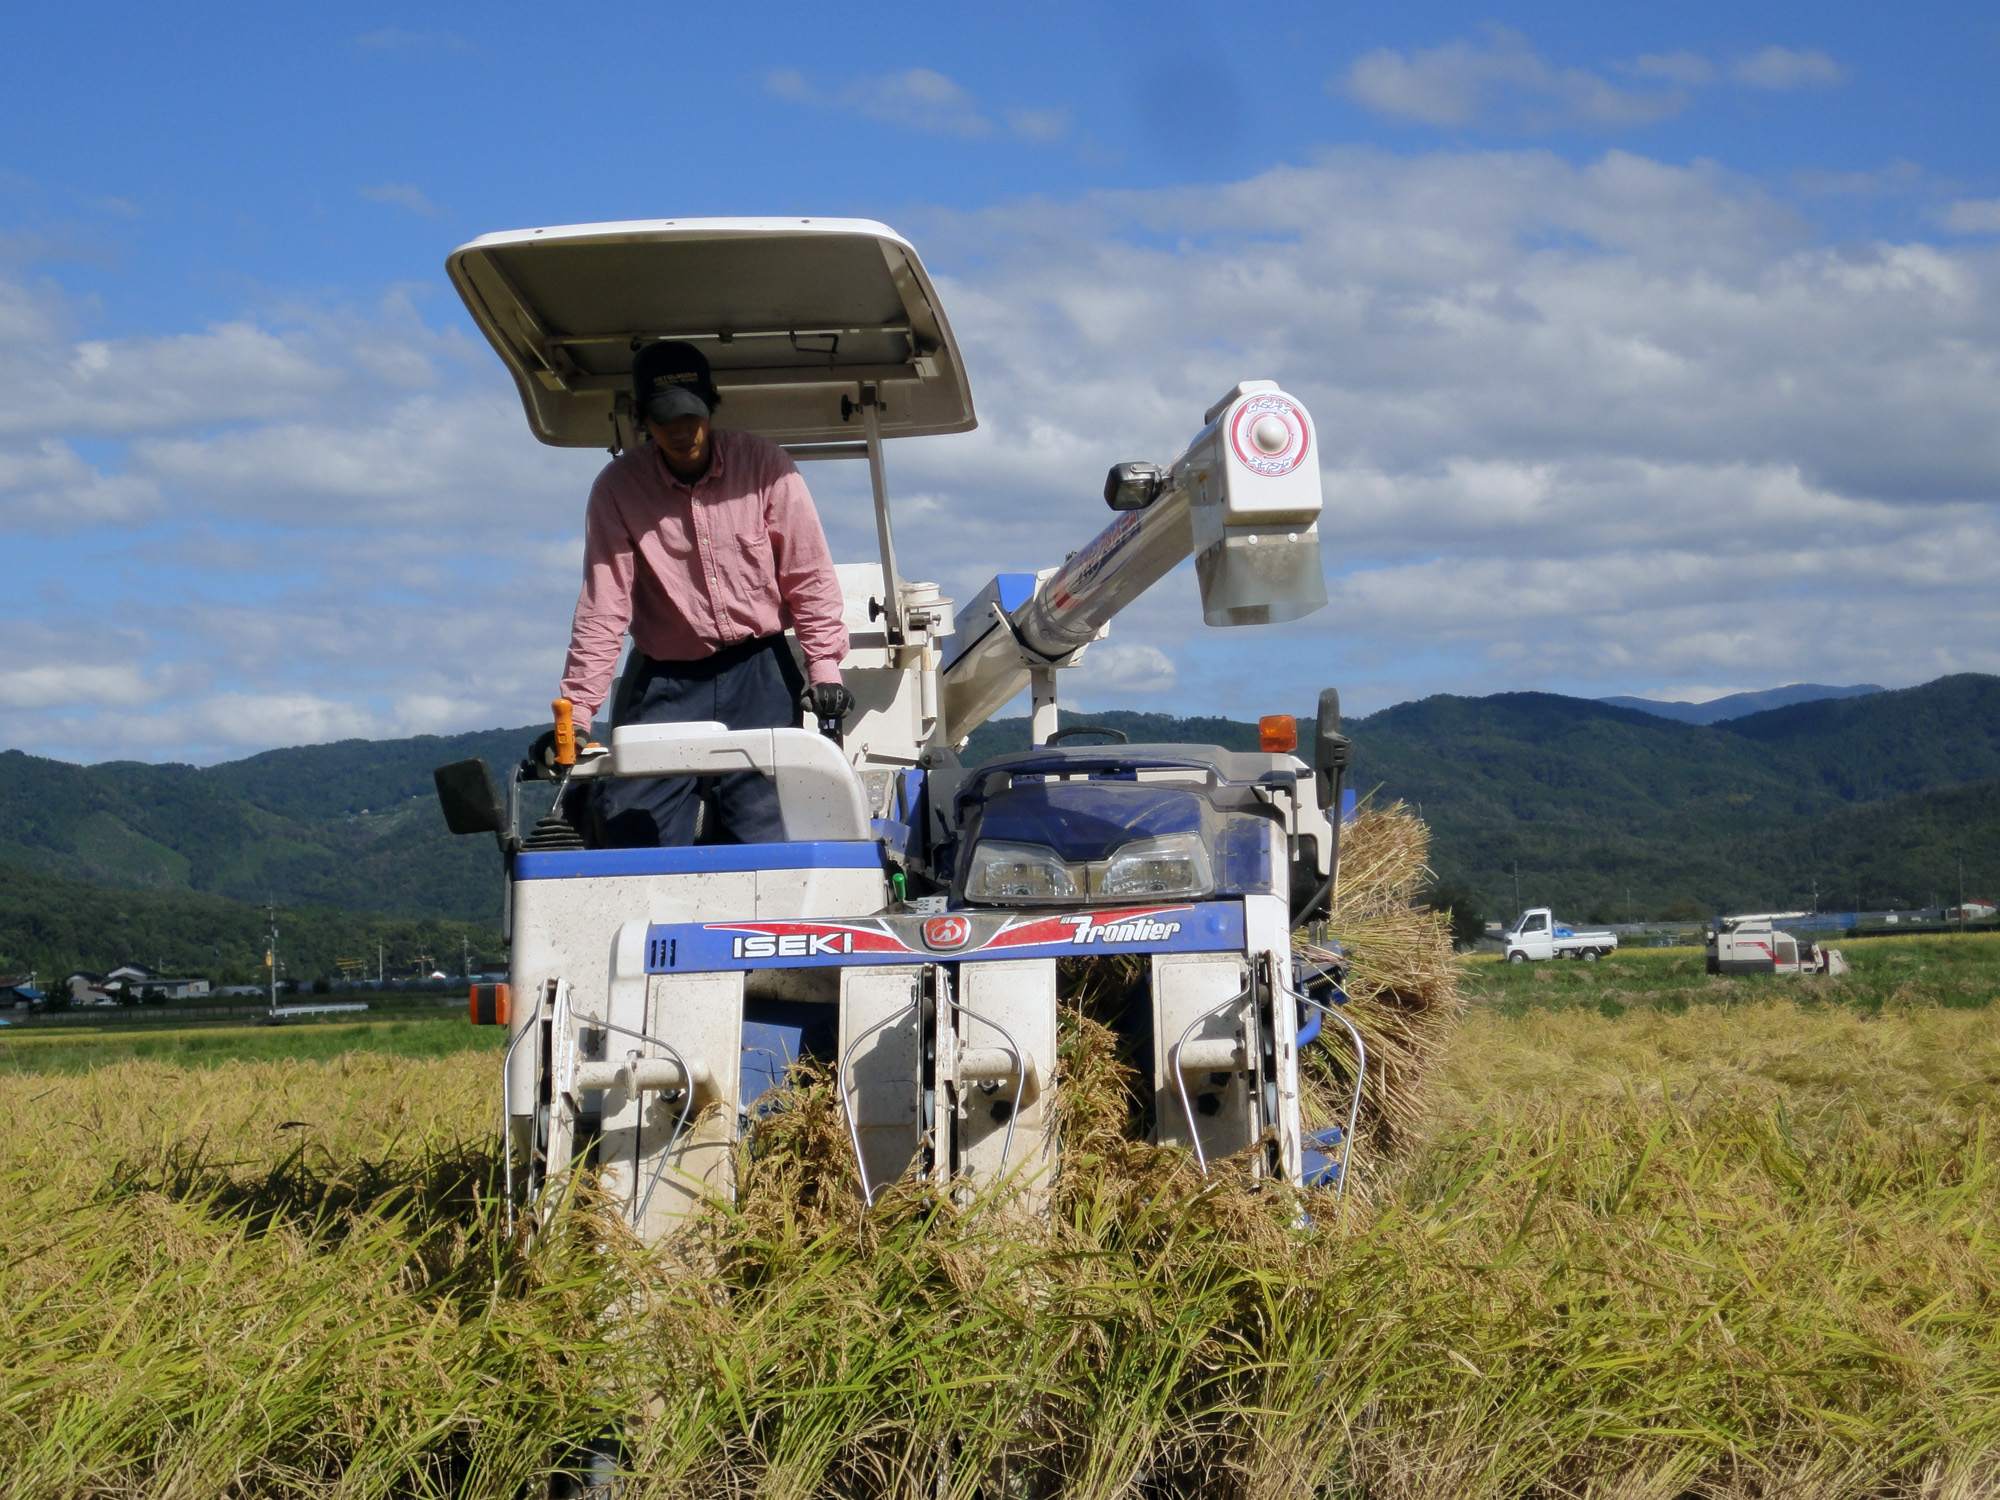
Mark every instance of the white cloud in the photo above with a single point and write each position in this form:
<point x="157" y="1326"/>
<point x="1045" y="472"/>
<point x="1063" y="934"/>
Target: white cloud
<point x="61" y="659"/>
<point x="232" y="372"/>
<point x="1495" y="80"/>
<point x="1040" y="126"/>
<point x="1593" y="428"/>
<point x="424" y="461"/>
<point x="43" y="686"/>
<point x="405" y="195"/>
<point x="335" y="514"/>
<point x="1111" y="672"/>
<point x="1688" y="69"/>
<point x="45" y="486"/>
<point x="923" y="100"/>
<point x="920" y="99"/>
<point x="1896" y="177"/>
<point x="1783" y="68"/>
<point x="1973" y="216"/>
<point x="1579" y="425"/>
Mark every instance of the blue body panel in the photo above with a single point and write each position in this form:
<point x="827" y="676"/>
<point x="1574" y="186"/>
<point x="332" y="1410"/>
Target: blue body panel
<point x="776" y="1034"/>
<point x="1320" y="1160"/>
<point x="953" y="937"/>
<point x="975" y="619"/>
<point x="697" y="859"/>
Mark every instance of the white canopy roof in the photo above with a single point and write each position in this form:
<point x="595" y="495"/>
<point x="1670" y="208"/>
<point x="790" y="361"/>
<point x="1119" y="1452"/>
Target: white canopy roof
<point x="793" y="314"/>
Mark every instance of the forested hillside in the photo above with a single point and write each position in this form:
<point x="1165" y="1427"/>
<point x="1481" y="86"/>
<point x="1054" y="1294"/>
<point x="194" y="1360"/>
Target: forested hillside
<point x="1606" y="810"/>
<point x="1610" y="811"/>
<point x="352" y="825"/>
<point x="55" y="927"/>
<point x="1945" y="733"/>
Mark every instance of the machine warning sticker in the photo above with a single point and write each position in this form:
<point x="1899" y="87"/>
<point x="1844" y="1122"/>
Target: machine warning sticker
<point x="1268" y="435"/>
<point x="800" y="942"/>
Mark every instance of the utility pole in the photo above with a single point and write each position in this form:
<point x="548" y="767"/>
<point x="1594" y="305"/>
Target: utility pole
<point x="1517" y="888"/>
<point x="465" y="955"/>
<point x="1961" y="893"/>
<point x="381" y="972"/>
<point x="271" y="953"/>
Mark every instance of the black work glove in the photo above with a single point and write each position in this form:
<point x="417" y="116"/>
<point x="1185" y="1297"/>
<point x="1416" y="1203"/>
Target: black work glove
<point x="827" y="700"/>
<point x="541" y="760"/>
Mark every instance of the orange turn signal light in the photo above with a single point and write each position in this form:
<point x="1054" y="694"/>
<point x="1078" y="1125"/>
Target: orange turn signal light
<point x="1278" y="734"/>
<point x="490" y="1005"/>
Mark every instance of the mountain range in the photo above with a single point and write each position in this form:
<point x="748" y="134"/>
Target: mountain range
<point x="1736" y="705"/>
<point x="1608" y="811"/>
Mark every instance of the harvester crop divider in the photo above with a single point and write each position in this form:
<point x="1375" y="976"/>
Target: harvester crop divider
<point x="1014" y="1000"/>
<point x="871" y="1002"/>
<point x="1360" y="1067"/>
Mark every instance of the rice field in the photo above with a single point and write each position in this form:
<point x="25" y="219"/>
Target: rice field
<point x="1946" y="970"/>
<point x="46" y="1048"/>
<point x="1724" y="1241"/>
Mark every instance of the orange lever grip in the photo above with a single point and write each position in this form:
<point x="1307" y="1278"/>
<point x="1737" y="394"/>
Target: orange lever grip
<point x="565" y="732"/>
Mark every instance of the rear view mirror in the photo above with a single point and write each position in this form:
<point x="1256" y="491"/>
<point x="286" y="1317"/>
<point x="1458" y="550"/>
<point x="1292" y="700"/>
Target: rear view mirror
<point x="470" y="800"/>
<point x="1331" y="752"/>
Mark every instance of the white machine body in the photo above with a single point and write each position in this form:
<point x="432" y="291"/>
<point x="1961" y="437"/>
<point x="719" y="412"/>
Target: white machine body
<point x="1762" y="944"/>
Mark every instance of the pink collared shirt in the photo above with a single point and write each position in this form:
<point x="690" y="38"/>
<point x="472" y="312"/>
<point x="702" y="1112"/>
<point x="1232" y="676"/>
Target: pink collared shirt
<point x="693" y="568"/>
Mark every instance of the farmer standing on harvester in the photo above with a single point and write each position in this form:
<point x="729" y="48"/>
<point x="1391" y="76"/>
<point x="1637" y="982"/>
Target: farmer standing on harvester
<point x="705" y="543"/>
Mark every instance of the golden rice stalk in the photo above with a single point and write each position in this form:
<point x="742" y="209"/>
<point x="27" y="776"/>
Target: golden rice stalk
<point x="1402" y="986"/>
<point x="797" y="1187"/>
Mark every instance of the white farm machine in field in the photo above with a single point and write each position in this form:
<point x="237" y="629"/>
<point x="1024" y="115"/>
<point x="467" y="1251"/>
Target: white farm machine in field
<point x="1763" y="943"/>
<point x="907" y="933"/>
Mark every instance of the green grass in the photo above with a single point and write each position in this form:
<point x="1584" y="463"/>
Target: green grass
<point x="49" y="1048"/>
<point x="1936" y="969"/>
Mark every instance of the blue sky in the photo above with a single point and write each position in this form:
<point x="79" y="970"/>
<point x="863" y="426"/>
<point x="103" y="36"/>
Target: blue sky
<point x="1653" y="349"/>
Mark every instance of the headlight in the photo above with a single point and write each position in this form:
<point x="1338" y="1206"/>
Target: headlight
<point x="1176" y="865"/>
<point x="1018" y="872"/>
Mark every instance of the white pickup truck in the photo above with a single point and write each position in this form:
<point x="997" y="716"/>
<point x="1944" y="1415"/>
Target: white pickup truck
<point x="1538" y="935"/>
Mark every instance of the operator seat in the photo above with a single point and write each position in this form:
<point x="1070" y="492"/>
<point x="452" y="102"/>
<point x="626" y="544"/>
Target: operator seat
<point x="820" y="797"/>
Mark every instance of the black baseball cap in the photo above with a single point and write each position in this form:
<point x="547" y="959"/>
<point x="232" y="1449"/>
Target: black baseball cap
<point x="667" y="365"/>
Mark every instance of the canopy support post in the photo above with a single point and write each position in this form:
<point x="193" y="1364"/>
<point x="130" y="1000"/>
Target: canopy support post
<point x="892" y="583"/>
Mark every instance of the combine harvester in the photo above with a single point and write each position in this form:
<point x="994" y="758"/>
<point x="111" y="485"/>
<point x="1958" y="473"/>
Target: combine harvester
<point x="1762" y="943"/>
<point x="907" y="932"/>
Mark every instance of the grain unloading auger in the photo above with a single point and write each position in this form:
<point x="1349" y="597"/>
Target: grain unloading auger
<point x="907" y="932"/>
